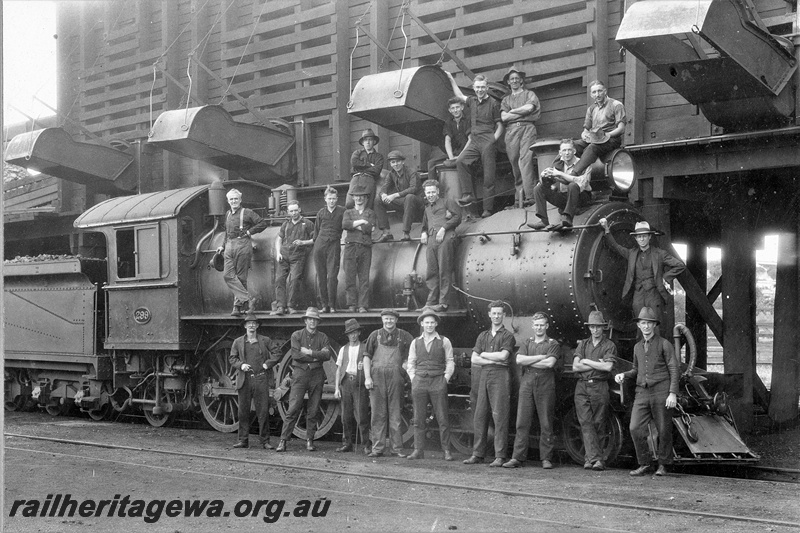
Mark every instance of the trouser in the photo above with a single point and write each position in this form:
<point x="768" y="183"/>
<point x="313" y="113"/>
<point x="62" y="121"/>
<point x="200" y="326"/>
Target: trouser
<point x="494" y="395"/>
<point x="537" y="391"/>
<point x="360" y="179"/>
<point x="567" y="203"/>
<point x="591" y="152"/>
<point x="385" y="399"/>
<point x="591" y="408"/>
<point x="410" y="205"/>
<point x="355" y="411"/>
<point x="649" y="297"/>
<point x="255" y="390"/>
<point x="326" y="261"/>
<point x="237" y="255"/>
<point x="440" y="277"/>
<point x="292" y="269"/>
<point x="650" y="405"/>
<point x="484" y="147"/>
<point x="433" y="389"/>
<point x="304" y="381"/>
<point x="357" y="262"/>
<point x="519" y="138"/>
<point x="437" y="157"/>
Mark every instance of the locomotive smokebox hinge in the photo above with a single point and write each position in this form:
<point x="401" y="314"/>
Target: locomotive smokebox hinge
<point x="594" y="275"/>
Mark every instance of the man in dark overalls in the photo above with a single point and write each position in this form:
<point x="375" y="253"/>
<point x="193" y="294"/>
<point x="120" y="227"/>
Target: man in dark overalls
<point x="387" y="349"/>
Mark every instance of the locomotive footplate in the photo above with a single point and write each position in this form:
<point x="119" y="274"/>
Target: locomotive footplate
<point x="368" y="319"/>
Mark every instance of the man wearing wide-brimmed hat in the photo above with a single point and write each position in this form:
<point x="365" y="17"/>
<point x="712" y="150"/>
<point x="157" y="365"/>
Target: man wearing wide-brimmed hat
<point x="401" y="191"/>
<point x="310" y="349"/>
<point x="358" y="223"/>
<point x="656" y="371"/>
<point x="603" y="127"/>
<point x="593" y="362"/>
<point x="366" y="165"/>
<point x="519" y="111"/>
<point x="350" y="389"/>
<point x="430" y="367"/>
<point x="650" y="269"/>
<point x="252" y="357"/>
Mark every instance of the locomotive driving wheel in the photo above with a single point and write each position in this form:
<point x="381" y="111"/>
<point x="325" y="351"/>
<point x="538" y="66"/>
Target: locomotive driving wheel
<point x="328" y="405"/>
<point x="218" y="398"/>
<point x="573" y="438"/>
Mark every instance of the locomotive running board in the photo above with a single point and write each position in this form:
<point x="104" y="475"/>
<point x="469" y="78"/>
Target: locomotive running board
<point x="717" y="441"/>
<point x="328" y="319"/>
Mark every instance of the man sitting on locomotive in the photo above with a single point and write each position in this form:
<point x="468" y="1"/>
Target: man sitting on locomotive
<point x="439" y="221"/>
<point x="310" y="349"/>
<point x="430" y="367"/>
<point x="252" y="357"/>
<point x="456" y="134"/>
<point x="400" y="191"/>
<point x="537" y="358"/>
<point x="352" y="392"/>
<point x="366" y="165"/>
<point x="240" y="224"/>
<point x="603" y="128"/>
<point x="294" y="241"/>
<point x="593" y="361"/>
<point x="562" y="189"/>
<point x="656" y="371"/>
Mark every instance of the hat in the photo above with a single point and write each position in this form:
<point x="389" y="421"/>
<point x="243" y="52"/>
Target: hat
<point x="426" y="312"/>
<point x="389" y="311"/>
<point x="251" y="317"/>
<point x="368" y="133"/>
<point x="648" y="314"/>
<point x="511" y="70"/>
<point x="218" y="262"/>
<point x="597" y="137"/>
<point x="359" y="190"/>
<point x="351" y="325"/>
<point x="596" y="319"/>
<point x="396" y="154"/>
<point x="643" y="228"/>
<point x="312" y="312"/>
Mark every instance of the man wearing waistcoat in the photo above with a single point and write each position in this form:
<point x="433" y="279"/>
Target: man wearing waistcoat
<point x="537" y="358"/>
<point x="240" y="224"/>
<point x="656" y="371"/>
<point x="430" y="367"/>
<point x="593" y="361"/>
<point x="491" y="386"/>
<point x="252" y="357"/>
<point x="650" y="270"/>
<point x="327" y="250"/>
<point x="387" y="350"/>
<point x="358" y="223"/>
<point x="439" y="236"/>
<point x="310" y="349"/>
<point x="352" y="392"/>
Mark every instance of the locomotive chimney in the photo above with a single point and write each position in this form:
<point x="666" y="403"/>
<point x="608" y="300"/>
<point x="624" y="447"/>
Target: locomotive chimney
<point x="217" y="204"/>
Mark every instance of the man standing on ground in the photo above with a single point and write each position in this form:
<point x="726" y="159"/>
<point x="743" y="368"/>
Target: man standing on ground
<point x="252" y="357"/>
<point x="387" y="350"/>
<point x="430" y="367"/>
<point x="358" y="223"/>
<point x="310" y="349"/>
<point x="562" y="189"/>
<point x="352" y="392"/>
<point x="491" y="383"/>
<point x="328" y="249"/>
<point x="519" y="111"/>
<point x="537" y="358"/>
<point x="656" y="371"/>
<point x="294" y="241"/>
<point x="438" y="234"/>
<point x="593" y="361"/>
<point x="402" y="192"/>
<point x="240" y="224"/>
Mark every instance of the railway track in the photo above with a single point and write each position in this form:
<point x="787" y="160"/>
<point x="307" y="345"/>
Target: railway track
<point x="332" y="471"/>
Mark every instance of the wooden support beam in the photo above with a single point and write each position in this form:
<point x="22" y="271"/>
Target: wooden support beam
<point x="786" y="341"/>
<point x="170" y="24"/>
<point x="340" y="121"/>
<point x="697" y="268"/>
<point x="461" y="65"/>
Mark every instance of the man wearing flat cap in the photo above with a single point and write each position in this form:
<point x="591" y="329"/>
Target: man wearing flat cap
<point x="366" y="165"/>
<point x="650" y="269"/>
<point x="351" y="391"/>
<point x="430" y="367"/>
<point x="656" y="371"/>
<point x="401" y="191"/>
<point x="519" y="111"/>
<point x="252" y="357"/>
<point x="310" y="348"/>
<point x="603" y="127"/>
<point x="358" y="223"/>
<point x="593" y="361"/>
<point x="387" y="350"/>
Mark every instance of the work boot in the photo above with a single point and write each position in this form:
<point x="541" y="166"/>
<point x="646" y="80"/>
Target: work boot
<point x="345" y="448"/>
<point x="448" y="456"/>
<point x="281" y="446"/>
<point x="310" y="446"/>
<point x="599" y="466"/>
<point x="512" y="463"/>
<point x="547" y="465"/>
<point x="267" y="446"/>
<point x="466" y="199"/>
<point x="292" y="311"/>
<point x="473" y="460"/>
<point x="416" y="454"/>
<point x="641" y="471"/>
<point x="241" y="444"/>
<point x="498" y="461"/>
<point x="587" y="465"/>
<point x="385" y="237"/>
<point x="538" y="224"/>
<point x="277" y="312"/>
<point x="662" y="470"/>
<point x="406" y="236"/>
<point x="237" y="310"/>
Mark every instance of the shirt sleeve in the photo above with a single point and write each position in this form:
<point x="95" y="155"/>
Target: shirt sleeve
<point x="509" y="343"/>
<point x="450" y="363"/>
<point x="523" y="348"/>
<point x="533" y="100"/>
<point x="235" y="358"/>
<point x="369" y="346"/>
<point x="587" y="122"/>
<point x="610" y="356"/>
<point x="455" y="212"/>
<point x="411" y="367"/>
<point x="496" y="112"/>
<point x="257" y="224"/>
<point x="479" y="342"/>
<point x="505" y="105"/>
<point x="619" y="113"/>
<point x="357" y="163"/>
<point x="340" y="357"/>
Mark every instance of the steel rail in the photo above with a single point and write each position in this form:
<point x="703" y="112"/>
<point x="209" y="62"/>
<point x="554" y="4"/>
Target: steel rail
<point x="483" y="490"/>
